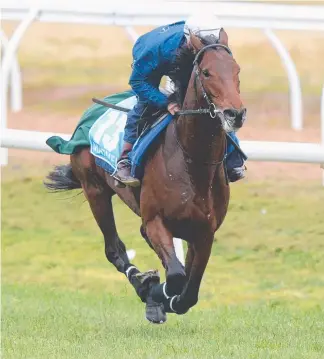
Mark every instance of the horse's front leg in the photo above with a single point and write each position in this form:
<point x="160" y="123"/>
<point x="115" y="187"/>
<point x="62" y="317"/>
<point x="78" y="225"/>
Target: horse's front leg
<point x="162" y="242"/>
<point x="197" y="262"/>
<point x="189" y="260"/>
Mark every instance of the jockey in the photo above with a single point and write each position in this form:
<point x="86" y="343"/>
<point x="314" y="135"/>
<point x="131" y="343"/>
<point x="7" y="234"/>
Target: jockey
<point x="153" y="55"/>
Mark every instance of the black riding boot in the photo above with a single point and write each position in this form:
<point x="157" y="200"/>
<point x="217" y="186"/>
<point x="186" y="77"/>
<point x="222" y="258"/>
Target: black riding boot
<point x="235" y="166"/>
<point x="236" y="174"/>
<point x="123" y="172"/>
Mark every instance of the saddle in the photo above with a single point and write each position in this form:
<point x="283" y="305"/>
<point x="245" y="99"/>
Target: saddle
<point x="150" y="115"/>
<point x="106" y="135"/>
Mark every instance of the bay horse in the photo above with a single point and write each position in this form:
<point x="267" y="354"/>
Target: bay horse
<point x="184" y="191"/>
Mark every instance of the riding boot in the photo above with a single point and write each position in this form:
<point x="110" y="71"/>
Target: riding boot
<point x="235" y="174"/>
<point x="123" y="171"/>
<point x="235" y="166"/>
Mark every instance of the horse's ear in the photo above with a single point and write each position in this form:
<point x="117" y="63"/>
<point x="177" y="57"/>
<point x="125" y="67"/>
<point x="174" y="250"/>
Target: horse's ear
<point x="196" y="42"/>
<point x="223" y="38"/>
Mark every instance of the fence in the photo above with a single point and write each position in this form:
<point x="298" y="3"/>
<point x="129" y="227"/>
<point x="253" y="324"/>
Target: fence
<point x="243" y="15"/>
<point x="246" y="15"/>
<point x="256" y="150"/>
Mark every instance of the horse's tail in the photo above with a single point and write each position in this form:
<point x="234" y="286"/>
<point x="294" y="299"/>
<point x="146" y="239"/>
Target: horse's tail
<point x="62" y="179"/>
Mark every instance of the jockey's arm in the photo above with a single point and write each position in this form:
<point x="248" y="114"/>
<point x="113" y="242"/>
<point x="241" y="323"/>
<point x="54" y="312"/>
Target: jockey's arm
<point x="139" y="81"/>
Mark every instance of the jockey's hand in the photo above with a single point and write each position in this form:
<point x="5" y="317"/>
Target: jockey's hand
<point x="173" y="107"/>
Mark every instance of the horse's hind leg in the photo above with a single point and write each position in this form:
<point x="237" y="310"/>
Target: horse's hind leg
<point x="116" y="254"/>
<point x="99" y="196"/>
<point x="115" y="249"/>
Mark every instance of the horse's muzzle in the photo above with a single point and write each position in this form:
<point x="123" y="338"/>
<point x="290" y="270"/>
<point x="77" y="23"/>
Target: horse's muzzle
<point x="236" y="117"/>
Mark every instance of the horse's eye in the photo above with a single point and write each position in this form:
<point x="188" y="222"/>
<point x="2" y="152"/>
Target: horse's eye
<point x="206" y="72"/>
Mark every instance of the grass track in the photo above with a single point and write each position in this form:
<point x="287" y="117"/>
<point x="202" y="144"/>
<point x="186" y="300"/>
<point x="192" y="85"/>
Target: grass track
<point x="261" y="297"/>
<point x="56" y="324"/>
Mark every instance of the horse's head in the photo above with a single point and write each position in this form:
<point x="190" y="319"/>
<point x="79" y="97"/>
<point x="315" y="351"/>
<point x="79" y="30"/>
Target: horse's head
<point x="217" y="80"/>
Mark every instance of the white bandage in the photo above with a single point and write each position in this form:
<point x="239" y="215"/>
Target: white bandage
<point x="171" y="303"/>
<point x="128" y="270"/>
<point x="164" y="291"/>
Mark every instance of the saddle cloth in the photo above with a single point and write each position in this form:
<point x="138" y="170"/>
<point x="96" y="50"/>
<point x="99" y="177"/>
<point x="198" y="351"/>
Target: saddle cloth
<point x="106" y="138"/>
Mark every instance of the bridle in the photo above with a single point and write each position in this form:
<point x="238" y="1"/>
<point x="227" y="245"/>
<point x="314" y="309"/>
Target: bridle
<point x="212" y="109"/>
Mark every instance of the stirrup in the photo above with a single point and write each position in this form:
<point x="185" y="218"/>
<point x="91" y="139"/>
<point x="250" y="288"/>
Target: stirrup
<point x="131" y="182"/>
<point x="118" y="184"/>
<point x="128" y="180"/>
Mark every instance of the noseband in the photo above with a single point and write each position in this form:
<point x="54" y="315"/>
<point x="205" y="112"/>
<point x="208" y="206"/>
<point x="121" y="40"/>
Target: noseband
<point x="212" y="109"/>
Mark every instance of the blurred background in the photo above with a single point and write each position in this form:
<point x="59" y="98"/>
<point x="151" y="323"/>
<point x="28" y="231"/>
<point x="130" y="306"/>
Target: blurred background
<point x="268" y="261"/>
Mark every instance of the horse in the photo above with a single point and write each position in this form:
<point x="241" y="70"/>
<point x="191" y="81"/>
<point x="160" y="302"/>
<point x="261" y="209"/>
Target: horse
<point x="184" y="191"/>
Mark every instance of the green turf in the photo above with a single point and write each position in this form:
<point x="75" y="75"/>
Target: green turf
<point x="40" y="322"/>
<point x="261" y="297"/>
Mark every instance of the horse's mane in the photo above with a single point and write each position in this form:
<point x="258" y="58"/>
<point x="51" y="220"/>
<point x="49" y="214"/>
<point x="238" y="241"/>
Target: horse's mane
<point x="181" y="72"/>
<point x="182" y="69"/>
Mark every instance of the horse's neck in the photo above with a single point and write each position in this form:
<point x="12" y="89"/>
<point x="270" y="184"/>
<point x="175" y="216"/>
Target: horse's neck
<point x="200" y="136"/>
<point x="202" y="141"/>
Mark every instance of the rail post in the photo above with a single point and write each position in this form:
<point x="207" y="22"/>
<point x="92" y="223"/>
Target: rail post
<point x="8" y="58"/>
<point x="296" y="101"/>
<point x="15" y="78"/>
<point x="322" y="129"/>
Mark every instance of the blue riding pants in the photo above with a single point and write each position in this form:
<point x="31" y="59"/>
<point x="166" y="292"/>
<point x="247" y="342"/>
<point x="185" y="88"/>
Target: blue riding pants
<point x="233" y="158"/>
<point x="133" y="116"/>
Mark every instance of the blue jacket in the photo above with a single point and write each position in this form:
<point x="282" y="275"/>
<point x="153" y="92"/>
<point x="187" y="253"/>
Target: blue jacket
<point x="153" y="55"/>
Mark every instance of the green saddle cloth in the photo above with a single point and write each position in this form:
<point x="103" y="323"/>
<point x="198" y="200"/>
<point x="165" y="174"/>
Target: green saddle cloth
<point x="80" y="137"/>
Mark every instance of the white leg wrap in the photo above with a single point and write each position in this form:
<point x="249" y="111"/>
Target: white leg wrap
<point x="164" y="291"/>
<point x="128" y="270"/>
<point x="171" y="303"/>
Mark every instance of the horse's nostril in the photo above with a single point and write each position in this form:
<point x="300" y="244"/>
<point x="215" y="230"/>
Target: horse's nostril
<point x="230" y="113"/>
<point x="242" y="114"/>
<point x="238" y="123"/>
<point x="237" y="117"/>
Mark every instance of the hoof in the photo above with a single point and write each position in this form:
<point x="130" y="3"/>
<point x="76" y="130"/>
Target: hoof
<point x="154" y="312"/>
